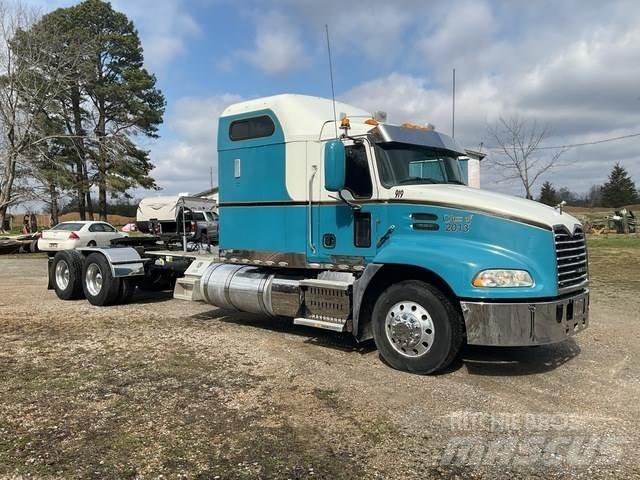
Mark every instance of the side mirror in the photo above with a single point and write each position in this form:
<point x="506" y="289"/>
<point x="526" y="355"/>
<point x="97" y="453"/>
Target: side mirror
<point x="334" y="165"/>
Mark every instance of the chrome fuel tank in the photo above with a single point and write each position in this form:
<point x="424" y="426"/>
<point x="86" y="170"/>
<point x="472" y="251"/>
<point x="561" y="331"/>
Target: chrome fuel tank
<point x="250" y="289"/>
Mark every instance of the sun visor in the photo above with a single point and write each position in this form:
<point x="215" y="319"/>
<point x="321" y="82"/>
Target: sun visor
<point x="384" y="133"/>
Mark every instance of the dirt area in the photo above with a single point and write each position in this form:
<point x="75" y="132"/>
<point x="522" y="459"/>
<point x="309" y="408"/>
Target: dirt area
<point x="167" y="389"/>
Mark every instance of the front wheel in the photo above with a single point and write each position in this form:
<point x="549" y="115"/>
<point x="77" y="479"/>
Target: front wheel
<point x="416" y="327"/>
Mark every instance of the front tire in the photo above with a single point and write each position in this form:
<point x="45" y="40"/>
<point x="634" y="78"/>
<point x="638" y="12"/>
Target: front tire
<point x="416" y="327"/>
<point x="98" y="283"/>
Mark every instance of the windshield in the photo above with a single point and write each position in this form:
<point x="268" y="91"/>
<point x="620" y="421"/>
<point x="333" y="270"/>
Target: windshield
<point x="402" y="164"/>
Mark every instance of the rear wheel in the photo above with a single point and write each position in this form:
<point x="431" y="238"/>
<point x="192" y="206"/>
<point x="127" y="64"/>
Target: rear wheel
<point x="157" y="282"/>
<point x="127" y="287"/>
<point x="416" y="327"/>
<point x="98" y="283"/>
<point x="66" y="274"/>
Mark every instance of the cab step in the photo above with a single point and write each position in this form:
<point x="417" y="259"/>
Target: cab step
<point x="337" y="326"/>
<point x="330" y="284"/>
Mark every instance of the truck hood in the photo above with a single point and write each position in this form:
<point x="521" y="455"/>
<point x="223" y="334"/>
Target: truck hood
<point x="473" y="199"/>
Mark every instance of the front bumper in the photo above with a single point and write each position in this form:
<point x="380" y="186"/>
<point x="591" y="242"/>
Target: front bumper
<point x="524" y="323"/>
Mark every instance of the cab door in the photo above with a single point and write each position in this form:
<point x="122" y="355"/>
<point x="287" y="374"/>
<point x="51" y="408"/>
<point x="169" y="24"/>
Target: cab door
<point x="347" y="235"/>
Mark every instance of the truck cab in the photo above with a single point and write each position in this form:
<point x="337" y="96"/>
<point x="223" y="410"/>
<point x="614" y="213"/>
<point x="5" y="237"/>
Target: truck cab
<point x="419" y="261"/>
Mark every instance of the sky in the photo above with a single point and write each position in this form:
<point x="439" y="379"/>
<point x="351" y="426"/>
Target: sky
<point x="573" y="65"/>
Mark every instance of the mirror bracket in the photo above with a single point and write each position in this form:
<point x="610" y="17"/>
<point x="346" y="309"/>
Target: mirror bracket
<point x="349" y="201"/>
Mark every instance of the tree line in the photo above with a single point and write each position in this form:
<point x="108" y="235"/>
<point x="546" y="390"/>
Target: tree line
<point x="75" y="99"/>
<point x="618" y="191"/>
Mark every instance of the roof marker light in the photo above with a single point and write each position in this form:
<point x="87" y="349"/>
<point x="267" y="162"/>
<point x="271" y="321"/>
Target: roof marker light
<point x="417" y="127"/>
<point x="345" y="124"/>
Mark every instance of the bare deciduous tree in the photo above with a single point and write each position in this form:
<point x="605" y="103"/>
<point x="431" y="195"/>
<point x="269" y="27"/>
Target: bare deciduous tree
<point x="517" y="154"/>
<point x="28" y="84"/>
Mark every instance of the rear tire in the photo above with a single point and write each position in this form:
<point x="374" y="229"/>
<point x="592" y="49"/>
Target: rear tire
<point x="416" y="327"/>
<point x="66" y="274"/>
<point x="127" y="288"/>
<point x="98" y="283"/>
<point x="157" y="282"/>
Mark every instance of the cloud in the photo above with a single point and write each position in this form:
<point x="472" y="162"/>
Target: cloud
<point x="165" y="28"/>
<point x="576" y="70"/>
<point x="374" y="29"/>
<point x="183" y="163"/>
<point x="408" y="98"/>
<point x="464" y="36"/>
<point x="279" y="47"/>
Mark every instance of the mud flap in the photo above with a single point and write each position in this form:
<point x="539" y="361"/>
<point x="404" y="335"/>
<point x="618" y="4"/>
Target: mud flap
<point x="49" y="273"/>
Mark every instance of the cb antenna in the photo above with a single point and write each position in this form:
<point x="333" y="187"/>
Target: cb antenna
<point x="333" y="93"/>
<point x="453" y="106"/>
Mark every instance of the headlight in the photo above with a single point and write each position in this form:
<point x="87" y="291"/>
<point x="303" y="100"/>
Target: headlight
<point x="503" y="278"/>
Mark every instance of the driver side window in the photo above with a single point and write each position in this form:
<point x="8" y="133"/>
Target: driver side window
<point x="357" y="175"/>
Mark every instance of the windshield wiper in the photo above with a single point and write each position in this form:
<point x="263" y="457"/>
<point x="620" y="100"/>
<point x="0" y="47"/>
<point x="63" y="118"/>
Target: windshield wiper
<point x="418" y="180"/>
<point x="457" y="182"/>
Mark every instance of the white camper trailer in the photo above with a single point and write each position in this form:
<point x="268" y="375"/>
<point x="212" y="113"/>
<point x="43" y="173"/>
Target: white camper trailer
<point x="163" y="216"/>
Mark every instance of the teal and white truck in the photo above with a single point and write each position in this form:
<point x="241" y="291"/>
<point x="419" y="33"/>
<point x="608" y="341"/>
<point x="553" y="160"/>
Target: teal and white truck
<point x="342" y="221"/>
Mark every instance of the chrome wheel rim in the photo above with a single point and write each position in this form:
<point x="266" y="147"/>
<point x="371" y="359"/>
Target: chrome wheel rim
<point x="62" y="275"/>
<point x="409" y="329"/>
<point x="93" y="279"/>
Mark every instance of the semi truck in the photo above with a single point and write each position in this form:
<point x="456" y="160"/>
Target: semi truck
<point x="340" y="220"/>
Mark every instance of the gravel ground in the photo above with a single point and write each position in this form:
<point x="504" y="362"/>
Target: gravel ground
<point x="165" y="388"/>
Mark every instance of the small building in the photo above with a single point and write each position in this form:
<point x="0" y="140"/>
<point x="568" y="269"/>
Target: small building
<point x="470" y="165"/>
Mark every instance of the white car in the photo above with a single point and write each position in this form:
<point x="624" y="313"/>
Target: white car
<point x="69" y="235"/>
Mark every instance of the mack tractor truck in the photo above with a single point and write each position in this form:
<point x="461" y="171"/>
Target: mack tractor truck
<point x="342" y="221"/>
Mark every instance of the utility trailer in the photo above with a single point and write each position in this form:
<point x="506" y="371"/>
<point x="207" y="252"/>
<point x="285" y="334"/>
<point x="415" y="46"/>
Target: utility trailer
<point x="360" y="226"/>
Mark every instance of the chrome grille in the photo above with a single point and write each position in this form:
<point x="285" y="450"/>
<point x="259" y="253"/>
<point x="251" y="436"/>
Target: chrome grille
<point x="571" y="257"/>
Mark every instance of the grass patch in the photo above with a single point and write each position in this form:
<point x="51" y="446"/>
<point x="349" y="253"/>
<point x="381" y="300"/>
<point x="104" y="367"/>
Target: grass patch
<point x="594" y="242"/>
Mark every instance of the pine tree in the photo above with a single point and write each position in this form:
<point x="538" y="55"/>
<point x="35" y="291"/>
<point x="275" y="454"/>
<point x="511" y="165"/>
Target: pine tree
<point x="110" y="99"/>
<point x="548" y="194"/>
<point x="619" y="189"/>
